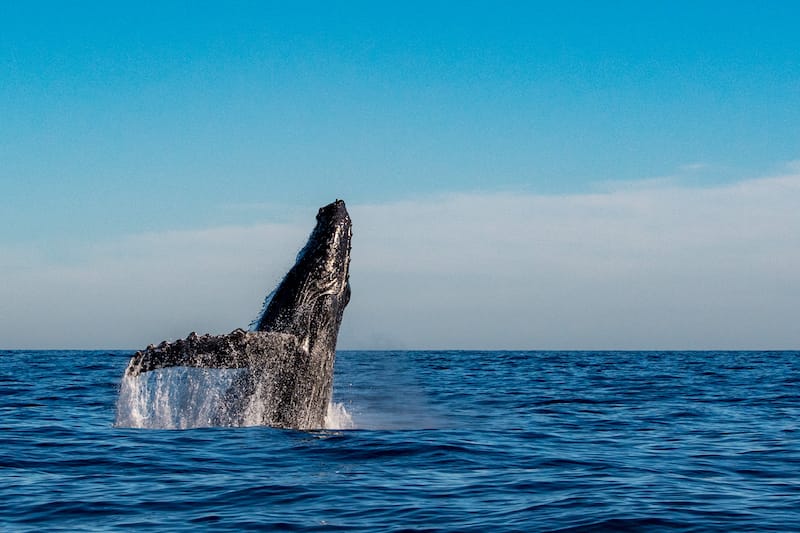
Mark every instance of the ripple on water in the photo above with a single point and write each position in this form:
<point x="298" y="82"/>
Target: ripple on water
<point x="457" y="441"/>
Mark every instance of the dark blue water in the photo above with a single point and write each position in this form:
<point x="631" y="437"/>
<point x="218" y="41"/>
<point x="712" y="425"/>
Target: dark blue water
<point x="449" y="441"/>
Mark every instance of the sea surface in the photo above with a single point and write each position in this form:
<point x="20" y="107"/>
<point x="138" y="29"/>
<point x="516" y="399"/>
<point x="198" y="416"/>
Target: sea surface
<point x="441" y="441"/>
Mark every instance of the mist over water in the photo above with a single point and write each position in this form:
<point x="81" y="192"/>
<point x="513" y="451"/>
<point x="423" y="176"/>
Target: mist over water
<point x="386" y="392"/>
<point x="444" y="441"/>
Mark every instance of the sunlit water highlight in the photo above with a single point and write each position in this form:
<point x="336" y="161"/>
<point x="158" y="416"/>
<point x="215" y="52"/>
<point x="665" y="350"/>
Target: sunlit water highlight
<point x="447" y="441"/>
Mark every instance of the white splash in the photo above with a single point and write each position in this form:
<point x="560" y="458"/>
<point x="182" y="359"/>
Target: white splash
<point x="182" y="398"/>
<point x="174" y="398"/>
<point x="337" y="417"/>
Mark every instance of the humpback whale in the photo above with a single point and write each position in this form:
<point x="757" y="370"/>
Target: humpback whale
<point x="287" y="358"/>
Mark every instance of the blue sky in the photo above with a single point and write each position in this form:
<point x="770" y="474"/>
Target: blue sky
<point x="132" y="123"/>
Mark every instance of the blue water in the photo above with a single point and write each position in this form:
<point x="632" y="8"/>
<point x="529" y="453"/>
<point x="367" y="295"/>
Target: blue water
<point x="447" y="441"/>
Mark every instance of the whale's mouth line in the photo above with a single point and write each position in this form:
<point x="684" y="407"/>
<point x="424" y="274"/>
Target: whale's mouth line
<point x="287" y="357"/>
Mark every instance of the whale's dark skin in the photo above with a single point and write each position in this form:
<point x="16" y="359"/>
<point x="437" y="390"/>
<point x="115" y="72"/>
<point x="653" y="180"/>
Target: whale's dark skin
<point x="289" y="357"/>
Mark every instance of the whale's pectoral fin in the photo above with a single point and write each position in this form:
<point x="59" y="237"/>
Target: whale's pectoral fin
<point x="237" y="349"/>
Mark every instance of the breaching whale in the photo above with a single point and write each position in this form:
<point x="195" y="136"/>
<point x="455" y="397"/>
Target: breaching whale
<point x="287" y="358"/>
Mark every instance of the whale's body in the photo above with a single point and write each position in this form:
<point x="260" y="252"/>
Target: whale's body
<point x="288" y="358"/>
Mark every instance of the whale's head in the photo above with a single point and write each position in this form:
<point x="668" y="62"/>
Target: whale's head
<point x="326" y="255"/>
<point x="310" y="300"/>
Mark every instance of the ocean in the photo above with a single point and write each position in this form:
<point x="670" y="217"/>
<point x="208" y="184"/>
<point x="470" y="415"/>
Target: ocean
<point x="432" y="441"/>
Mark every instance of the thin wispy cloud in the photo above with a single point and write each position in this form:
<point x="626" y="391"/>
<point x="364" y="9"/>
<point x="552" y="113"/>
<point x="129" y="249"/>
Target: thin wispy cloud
<point x="658" y="267"/>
